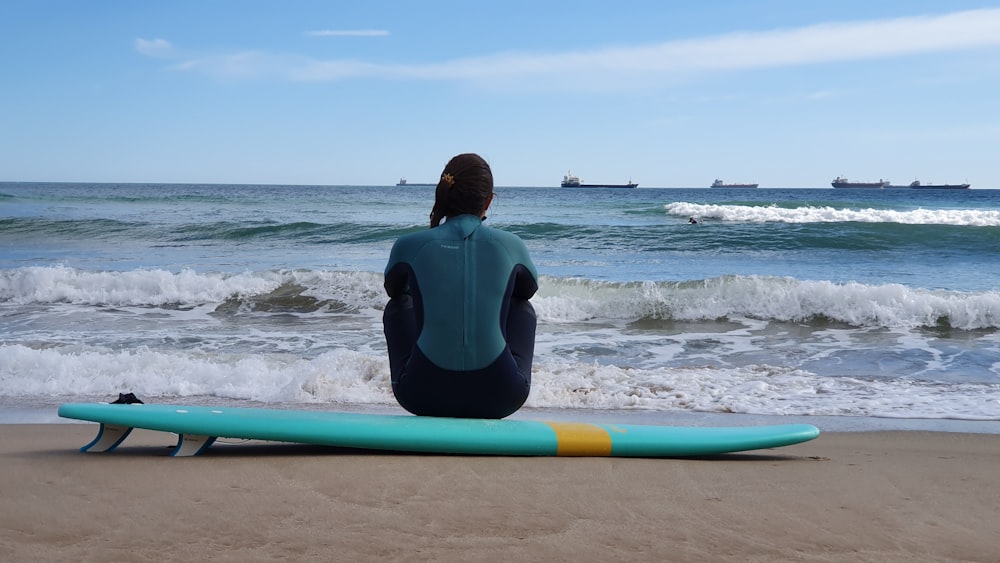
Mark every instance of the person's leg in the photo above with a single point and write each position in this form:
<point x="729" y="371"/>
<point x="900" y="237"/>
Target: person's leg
<point x="418" y="387"/>
<point x="496" y="391"/>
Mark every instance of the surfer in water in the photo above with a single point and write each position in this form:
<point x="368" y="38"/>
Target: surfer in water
<point x="459" y="328"/>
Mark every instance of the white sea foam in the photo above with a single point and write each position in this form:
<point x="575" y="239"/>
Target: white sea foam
<point x="338" y="375"/>
<point x="157" y="287"/>
<point x="741" y="344"/>
<point x="558" y="300"/>
<point x="757" y="389"/>
<point x="346" y="377"/>
<point x="136" y="287"/>
<point x="825" y="214"/>
<point x="783" y="299"/>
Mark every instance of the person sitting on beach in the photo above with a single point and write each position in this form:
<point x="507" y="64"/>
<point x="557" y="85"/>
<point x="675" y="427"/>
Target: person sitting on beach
<point x="459" y="328"/>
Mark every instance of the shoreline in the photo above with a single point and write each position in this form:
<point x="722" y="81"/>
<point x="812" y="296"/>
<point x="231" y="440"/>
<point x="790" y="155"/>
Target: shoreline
<point x="846" y="496"/>
<point x="18" y="413"/>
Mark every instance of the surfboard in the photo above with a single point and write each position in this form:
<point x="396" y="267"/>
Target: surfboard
<point x="198" y="427"/>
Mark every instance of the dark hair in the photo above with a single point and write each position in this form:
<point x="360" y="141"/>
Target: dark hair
<point x="465" y="186"/>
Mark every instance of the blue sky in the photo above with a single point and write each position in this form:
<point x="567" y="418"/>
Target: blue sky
<point x="787" y="93"/>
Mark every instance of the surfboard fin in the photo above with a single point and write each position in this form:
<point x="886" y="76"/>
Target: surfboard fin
<point x="108" y="438"/>
<point x="191" y="444"/>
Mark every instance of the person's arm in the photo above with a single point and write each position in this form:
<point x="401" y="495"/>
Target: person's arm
<point x="526" y="275"/>
<point x="397" y="270"/>
<point x="525" y="284"/>
<point x="397" y="279"/>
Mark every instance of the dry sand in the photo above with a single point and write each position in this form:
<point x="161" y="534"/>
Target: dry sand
<point x="874" y="496"/>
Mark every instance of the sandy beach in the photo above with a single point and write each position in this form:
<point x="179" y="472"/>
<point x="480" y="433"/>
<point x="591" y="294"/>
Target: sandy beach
<point x="867" y="496"/>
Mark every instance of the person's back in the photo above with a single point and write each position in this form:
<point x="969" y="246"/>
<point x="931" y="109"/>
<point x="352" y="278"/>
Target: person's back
<point x="459" y="327"/>
<point x="464" y="269"/>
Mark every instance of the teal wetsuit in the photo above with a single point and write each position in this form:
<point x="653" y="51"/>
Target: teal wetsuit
<point x="459" y="327"/>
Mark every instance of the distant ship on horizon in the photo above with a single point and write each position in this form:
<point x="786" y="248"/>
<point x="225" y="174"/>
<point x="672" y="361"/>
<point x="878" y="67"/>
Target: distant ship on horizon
<point x="720" y="184"/>
<point x="403" y="182"/>
<point x="571" y="181"/>
<point x="916" y="185"/>
<point x="841" y="182"/>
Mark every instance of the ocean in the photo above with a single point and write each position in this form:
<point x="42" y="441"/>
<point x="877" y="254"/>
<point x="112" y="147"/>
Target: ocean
<point x="852" y="309"/>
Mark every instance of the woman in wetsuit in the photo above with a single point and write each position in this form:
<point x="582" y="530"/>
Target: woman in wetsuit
<point x="459" y="326"/>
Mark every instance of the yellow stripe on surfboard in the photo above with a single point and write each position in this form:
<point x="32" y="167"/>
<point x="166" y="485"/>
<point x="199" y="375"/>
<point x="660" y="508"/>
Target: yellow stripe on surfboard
<point x="581" y="439"/>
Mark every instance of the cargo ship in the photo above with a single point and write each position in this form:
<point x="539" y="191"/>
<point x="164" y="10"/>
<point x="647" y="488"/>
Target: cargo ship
<point x="403" y="182"/>
<point x="916" y="185"/>
<point x="571" y="181"/>
<point x="720" y="184"/>
<point x="840" y="182"/>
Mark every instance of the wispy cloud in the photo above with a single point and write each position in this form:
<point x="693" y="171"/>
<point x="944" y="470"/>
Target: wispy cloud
<point x="821" y="95"/>
<point x="815" y="44"/>
<point x="348" y="33"/>
<point x="247" y="65"/>
<point x="154" y="47"/>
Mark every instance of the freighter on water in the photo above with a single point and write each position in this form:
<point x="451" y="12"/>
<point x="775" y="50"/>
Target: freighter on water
<point x="571" y="181"/>
<point x="916" y="185"/>
<point x="840" y="182"/>
<point x="403" y="182"/>
<point x="720" y="184"/>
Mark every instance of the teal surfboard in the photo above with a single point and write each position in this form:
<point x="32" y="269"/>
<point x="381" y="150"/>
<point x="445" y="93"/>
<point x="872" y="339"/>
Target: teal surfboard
<point x="198" y="427"/>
